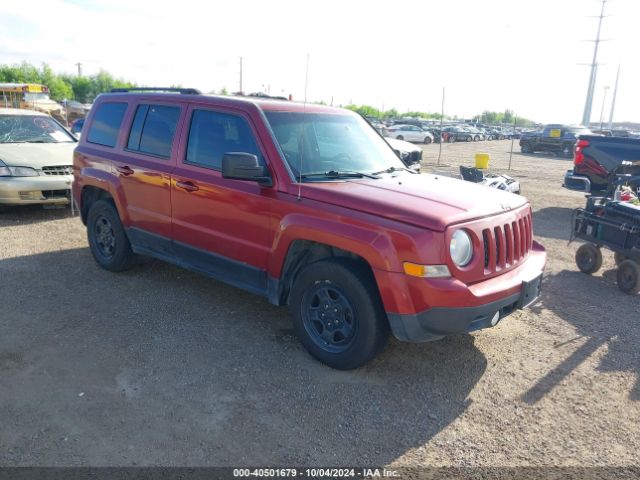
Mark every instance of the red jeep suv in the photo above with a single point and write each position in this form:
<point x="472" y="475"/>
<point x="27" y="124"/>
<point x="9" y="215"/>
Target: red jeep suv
<point x="308" y="206"/>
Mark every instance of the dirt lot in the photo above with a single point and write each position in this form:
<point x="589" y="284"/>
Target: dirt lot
<point x="162" y="366"/>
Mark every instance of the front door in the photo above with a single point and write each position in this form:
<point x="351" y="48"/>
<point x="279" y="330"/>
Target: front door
<point x="220" y="226"/>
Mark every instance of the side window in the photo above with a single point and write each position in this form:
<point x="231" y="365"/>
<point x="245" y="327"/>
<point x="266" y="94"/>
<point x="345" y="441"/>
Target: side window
<point x="212" y="134"/>
<point x="153" y="129"/>
<point x="106" y="124"/>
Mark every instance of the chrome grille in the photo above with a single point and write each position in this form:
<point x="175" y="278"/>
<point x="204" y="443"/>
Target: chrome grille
<point x="58" y="170"/>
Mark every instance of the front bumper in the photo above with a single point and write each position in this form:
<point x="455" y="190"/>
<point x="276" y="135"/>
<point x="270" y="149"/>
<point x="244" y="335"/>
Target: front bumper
<point x="457" y="308"/>
<point x="35" y="190"/>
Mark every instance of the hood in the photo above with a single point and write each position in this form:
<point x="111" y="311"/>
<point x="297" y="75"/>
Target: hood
<point x="37" y="155"/>
<point x="428" y="201"/>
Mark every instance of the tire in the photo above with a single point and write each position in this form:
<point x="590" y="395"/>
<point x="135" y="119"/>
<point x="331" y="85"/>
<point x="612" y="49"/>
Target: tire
<point x="589" y="258"/>
<point x="451" y="139"/>
<point x="526" y="148"/>
<point x="476" y="138"/>
<point x="469" y="138"/>
<point x="427" y="140"/>
<point x="628" y="277"/>
<point x="567" y="150"/>
<point x="619" y="258"/>
<point x="108" y="241"/>
<point x="358" y="331"/>
<point x="399" y="137"/>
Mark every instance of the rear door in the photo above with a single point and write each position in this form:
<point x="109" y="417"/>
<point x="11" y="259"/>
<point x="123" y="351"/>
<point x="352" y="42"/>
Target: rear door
<point x="149" y="157"/>
<point x="220" y="226"/>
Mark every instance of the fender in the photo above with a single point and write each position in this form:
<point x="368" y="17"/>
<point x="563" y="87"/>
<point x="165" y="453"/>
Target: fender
<point x="108" y="182"/>
<point x="375" y="247"/>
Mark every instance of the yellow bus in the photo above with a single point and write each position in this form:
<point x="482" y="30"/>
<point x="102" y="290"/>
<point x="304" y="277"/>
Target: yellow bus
<point x="30" y="96"/>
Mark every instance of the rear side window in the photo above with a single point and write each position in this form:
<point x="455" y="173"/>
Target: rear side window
<point x="106" y="124"/>
<point x="153" y="129"/>
<point x="212" y="134"/>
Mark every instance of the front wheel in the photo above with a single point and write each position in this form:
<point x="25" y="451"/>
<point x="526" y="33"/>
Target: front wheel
<point x="427" y="140"/>
<point x="108" y="241"/>
<point x="337" y="313"/>
<point x="399" y="137"/>
<point x="526" y="148"/>
<point x="628" y="277"/>
<point x="589" y="258"/>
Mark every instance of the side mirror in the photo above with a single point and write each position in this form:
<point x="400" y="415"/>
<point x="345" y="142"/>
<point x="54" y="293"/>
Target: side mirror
<point x="245" y="166"/>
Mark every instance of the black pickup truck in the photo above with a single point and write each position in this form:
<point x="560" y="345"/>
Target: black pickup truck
<point x="596" y="159"/>
<point x="554" y="138"/>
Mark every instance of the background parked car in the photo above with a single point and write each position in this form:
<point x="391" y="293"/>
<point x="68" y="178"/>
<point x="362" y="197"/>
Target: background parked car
<point x="74" y="110"/>
<point x="76" y="126"/>
<point x="409" y="153"/>
<point x="35" y="158"/>
<point x="410" y="133"/>
<point x="458" y="134"/>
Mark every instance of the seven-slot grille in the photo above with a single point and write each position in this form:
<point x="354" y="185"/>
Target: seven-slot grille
<point x="506" y="245"/>
<point x="58" y="170"/>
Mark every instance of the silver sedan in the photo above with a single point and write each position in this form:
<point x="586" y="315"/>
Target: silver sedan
<point x="410" y="133"/>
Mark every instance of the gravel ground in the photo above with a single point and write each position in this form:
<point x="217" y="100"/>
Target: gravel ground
<point x="159" y="366"/>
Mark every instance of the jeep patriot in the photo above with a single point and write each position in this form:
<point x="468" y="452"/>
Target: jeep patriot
<point x="308" y="206"/>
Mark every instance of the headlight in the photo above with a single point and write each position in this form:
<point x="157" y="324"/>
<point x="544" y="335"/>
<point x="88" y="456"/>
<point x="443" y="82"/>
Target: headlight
<point x="6" y="171"/>
<point x="461" y="248"/>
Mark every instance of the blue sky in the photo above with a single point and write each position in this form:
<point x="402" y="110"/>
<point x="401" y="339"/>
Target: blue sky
<point x="494" y="54"/>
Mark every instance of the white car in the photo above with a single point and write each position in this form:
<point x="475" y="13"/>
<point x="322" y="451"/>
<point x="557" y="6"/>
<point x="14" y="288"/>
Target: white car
<point x="36" y="157"/>
<point x="408" y="152"/>
<point x="410" y="133"/>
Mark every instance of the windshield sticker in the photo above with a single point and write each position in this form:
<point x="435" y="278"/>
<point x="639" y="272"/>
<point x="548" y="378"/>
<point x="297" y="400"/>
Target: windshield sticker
<point x="59" y="136"/>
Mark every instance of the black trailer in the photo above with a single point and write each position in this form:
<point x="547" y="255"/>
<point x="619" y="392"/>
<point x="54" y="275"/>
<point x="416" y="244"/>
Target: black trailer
<point x="615" y="225"/>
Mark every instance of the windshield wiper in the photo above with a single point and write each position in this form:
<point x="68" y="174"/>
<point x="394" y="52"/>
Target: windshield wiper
<point x="339" y="174"/>
<point x="393" y="169"/>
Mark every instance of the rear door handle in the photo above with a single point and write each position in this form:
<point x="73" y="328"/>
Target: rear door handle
<point x="126" y="171"/>
<point x="188" y="186"/>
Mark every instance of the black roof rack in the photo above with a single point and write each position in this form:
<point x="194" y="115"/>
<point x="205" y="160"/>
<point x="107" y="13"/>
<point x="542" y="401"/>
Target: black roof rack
<point x="183" y="91"/>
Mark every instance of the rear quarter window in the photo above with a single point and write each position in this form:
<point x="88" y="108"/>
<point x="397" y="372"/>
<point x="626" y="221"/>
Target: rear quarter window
<point x="106" y="124"/>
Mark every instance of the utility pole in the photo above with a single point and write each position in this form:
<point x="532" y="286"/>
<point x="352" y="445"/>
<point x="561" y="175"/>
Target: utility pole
<point x="441" y="120"/>
<point x="586" y="116"/>
<point x="79" y="65"/>
<point x="241" y="75"/>
<point x="604" y="97"/>
<point x="613" y="100"/>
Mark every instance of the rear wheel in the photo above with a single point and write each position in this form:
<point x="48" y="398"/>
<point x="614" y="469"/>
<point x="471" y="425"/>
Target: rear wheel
<point x="451" y="138"/>
<point x="108" y="241"/>
<point x="469" y="138"/>
<point x="589" y="258"/>
<point x="338" y="314"/>
<point x="427" y="140"/>
<point x="628" y="277"/>
<point x="399" y="137"/>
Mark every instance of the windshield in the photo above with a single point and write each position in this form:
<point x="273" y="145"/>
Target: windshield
<point x="31" y="129"/>
<point x="36" y="97"/>
<point x="316" y="143"/>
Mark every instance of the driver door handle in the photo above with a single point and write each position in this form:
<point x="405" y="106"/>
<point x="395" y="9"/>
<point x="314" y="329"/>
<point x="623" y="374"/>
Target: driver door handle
<point x="188" y="186"/>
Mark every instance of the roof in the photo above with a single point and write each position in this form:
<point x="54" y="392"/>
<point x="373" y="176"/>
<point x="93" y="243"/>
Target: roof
<point x="21" y="111"/>
<point x="265" y="104"/>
